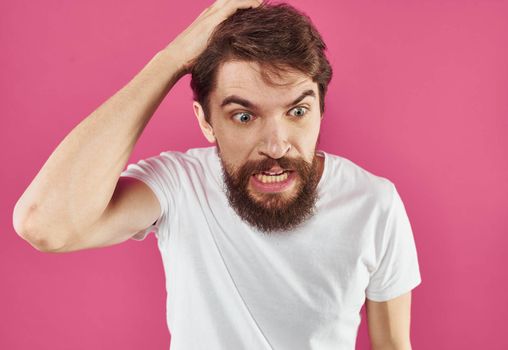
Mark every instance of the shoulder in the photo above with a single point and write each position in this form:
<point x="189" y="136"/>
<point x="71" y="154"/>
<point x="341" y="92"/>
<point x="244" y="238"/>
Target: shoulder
<point x="201" y="154"/>
<point x="353" y="174"/>
<point x="185" y="159"/>
<point x="196" y="165"/>
<point x="355" y="180"/>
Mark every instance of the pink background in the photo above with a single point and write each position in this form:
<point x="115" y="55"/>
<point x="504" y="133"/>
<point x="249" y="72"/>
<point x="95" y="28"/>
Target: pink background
<point x="419" y="96"/>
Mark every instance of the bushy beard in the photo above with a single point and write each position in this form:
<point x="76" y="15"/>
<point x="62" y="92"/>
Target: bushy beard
<point x="273" y="211"/>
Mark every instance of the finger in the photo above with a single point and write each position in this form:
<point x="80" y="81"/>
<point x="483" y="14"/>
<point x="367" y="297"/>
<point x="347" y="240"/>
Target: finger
<point x="244" y="4"/>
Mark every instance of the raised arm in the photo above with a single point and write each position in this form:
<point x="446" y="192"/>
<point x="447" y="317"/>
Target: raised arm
<point x="72" y="193"/>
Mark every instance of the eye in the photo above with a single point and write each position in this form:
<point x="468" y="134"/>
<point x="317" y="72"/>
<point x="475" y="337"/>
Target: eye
<point x="299" y="111"/>
<point x="243" y="117"/>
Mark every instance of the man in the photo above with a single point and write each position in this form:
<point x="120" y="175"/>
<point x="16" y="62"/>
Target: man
<point x="267" y="242"/>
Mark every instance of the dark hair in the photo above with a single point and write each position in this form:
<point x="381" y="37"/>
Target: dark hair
<point x="277" y="36"/>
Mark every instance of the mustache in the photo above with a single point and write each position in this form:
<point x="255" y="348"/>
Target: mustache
<point x="285" y="163"/>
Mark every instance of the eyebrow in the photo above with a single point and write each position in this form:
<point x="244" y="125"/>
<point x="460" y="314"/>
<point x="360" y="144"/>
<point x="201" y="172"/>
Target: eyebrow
<point x="248" y="104"/>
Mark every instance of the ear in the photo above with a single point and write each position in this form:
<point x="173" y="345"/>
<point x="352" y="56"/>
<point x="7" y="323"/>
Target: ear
<point x="206" y="128"/>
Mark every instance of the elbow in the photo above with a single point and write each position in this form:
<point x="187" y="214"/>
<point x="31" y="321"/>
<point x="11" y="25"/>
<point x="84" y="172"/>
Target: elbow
<point x="28" y="230"/>
<point x="19" y="218"/>
<point x="43" y="243"/>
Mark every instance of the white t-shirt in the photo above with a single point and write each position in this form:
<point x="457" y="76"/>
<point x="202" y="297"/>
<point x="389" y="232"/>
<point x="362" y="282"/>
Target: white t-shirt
<point x="230" y="286"/>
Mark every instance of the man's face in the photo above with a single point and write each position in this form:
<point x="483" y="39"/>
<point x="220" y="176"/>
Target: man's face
<point x="266" y="136"/>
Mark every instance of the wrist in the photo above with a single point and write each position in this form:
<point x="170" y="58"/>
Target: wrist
<point x="175" y="55"/>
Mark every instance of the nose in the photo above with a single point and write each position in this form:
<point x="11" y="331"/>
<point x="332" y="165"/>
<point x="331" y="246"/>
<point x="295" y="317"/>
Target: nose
<point x="274" y="142"/>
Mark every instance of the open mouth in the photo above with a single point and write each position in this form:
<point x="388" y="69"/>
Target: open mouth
<point x="272" y="177"/>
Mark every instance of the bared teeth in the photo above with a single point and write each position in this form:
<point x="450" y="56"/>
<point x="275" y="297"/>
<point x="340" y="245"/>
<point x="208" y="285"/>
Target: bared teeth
<point x="271" y="178"/>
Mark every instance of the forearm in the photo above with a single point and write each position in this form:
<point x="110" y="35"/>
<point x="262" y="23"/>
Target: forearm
<point x="77" y="181"/>
<point x="392" y="346"/>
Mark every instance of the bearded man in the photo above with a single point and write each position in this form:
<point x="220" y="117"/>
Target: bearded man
<point x="267" y="241"/>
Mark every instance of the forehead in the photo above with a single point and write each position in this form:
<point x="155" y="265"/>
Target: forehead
<point x="247" y="79"/>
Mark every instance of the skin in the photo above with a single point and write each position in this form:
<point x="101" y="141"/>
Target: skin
<point x="274" y="126"/>
<point x="389" y="323"/>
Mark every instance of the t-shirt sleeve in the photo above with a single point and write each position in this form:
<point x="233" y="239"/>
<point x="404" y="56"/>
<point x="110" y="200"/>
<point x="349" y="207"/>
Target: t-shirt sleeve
<point x="397" y="271"/>
<point x="154" y="172"/>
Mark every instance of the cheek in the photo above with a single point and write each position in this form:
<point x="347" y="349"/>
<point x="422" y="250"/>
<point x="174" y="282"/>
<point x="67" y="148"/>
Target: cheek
<point x="234" y="150"/>
<point x="306" y="137"/>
